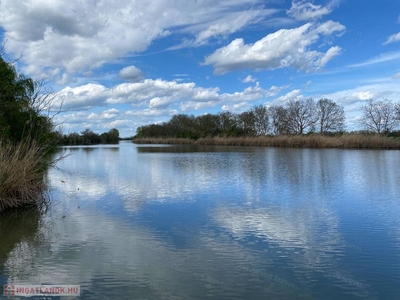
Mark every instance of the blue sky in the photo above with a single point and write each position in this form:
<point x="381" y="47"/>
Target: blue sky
<point x="129" y="63"/>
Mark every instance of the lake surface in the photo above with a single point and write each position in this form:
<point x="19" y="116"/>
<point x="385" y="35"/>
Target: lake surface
<point x="184" y="222"/>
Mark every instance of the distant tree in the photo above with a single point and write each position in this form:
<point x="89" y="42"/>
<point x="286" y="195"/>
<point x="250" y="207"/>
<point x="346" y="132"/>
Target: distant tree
<point x="207" y="125"/>
<point x="89" y="137"/>
<point x="246" y="122"/>
<point x="300" y="115"/>
<point x="182" y="126"/>
<point x="278" y="118"/>
<point x="330" y="116"/>
<point x="227" y="124"/>
<point x="261" y="120"/>
<point x="104" y="138"/>
<point x="73" y="139"/>
<point x="379" y="116"/>
<point x="113" y="136"/>
<point x="398" y="111"/>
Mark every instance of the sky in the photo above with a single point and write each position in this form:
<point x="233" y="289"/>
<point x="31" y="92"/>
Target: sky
<point x="123" y="64"/>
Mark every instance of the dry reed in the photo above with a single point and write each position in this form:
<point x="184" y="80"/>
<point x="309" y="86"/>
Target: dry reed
<point x="346" y="141"/>
<point x="22" y="167"/>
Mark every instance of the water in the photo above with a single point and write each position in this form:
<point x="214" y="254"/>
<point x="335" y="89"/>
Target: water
<point x="183" y="222"/>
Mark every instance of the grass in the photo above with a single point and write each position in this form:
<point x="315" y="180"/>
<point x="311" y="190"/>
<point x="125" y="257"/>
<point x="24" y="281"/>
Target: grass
<point x="345" y="141"/>
<point x="22" y="169"/>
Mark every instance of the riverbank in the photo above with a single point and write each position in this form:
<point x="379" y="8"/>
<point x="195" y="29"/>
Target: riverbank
<point x="22" y="170"/>
<point x="347" y="141"/>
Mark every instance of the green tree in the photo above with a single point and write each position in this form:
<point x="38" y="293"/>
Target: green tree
<point x="19" y="119"/>
<point x="113" y="136"/>
<point x="89" y="137"/>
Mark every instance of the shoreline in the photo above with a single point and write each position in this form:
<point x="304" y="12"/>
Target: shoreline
<point x="347" y="141"/>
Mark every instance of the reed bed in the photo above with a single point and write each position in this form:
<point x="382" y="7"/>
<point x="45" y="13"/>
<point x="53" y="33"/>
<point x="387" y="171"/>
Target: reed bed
<point x="346" y="141"/>
<point x="22" y="168"/>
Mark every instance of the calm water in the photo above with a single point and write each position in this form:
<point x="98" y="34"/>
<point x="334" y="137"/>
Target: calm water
<point x="183" y="222"/>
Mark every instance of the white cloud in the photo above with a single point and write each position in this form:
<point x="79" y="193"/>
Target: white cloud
<point x="284" y="48"/>
<point x="393" y="38"/>
<point x="82" y="97"/>
<point x="397" y="76"/>
<point x="248" y="79"/>
<point x="157" y="94"/>
<point x="131" y="74"/>
<point x="225" y="24"/>
<point x="192" y="105"/>
<point x="77" y="37"/>
<point x="105" y="115"/>
<point x="151" y="112"/>
<point x="295" y="94"/>
<point x="163" y="92"/>
<point x="365" y="95"/>
<point x="152" y="101"/>
<point x="237" y="107"/>
<point x="248" y="94"/>
<point x="303" y="10"/>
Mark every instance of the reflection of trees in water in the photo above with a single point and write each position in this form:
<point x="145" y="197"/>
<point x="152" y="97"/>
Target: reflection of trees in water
<point x="17" y="226"/>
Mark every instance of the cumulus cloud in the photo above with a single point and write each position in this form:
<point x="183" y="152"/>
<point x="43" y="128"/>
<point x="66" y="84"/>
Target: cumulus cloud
<point x="76" y="37"/>
<point x="393" y="38"/>
<point x="105" y="115"/>
<point x="131" y="74"/>
<point x="237" y="107"/>
<point x="303" y="10"/>
<point x="248" y="79"/>
<point x="156" y="95"/>
<point x="283" y="48"/>
<point x="248" y="94"/>
<point x="82" y="97"/>
<point x="292" y="95"/>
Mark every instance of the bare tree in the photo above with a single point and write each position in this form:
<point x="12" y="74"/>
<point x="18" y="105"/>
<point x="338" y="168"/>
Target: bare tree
<point x="379" y="116"/>
<point x="330" y="116"/>
<point x="398" y="111"/>
<point x="261" y="122"/>
<point x="278" y="118"/>
<point x="301" y="114"/>
<point x="43" y="99"/>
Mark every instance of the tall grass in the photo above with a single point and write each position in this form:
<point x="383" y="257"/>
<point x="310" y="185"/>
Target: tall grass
<point x="22" y="169"/>
<point x="345" y="141"/>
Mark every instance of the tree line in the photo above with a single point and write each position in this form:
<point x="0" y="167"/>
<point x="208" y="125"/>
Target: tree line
<point x="296" y="117"/>
<point x="88" y="137"/>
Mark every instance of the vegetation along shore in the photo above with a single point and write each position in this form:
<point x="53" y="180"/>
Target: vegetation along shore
<point x="345" y="141"/>
<point x="298" y="123"/>
<point x="27" y="137"/>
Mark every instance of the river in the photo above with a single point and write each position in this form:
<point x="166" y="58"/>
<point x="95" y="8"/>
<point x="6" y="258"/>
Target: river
<point x="209" y="222"/>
